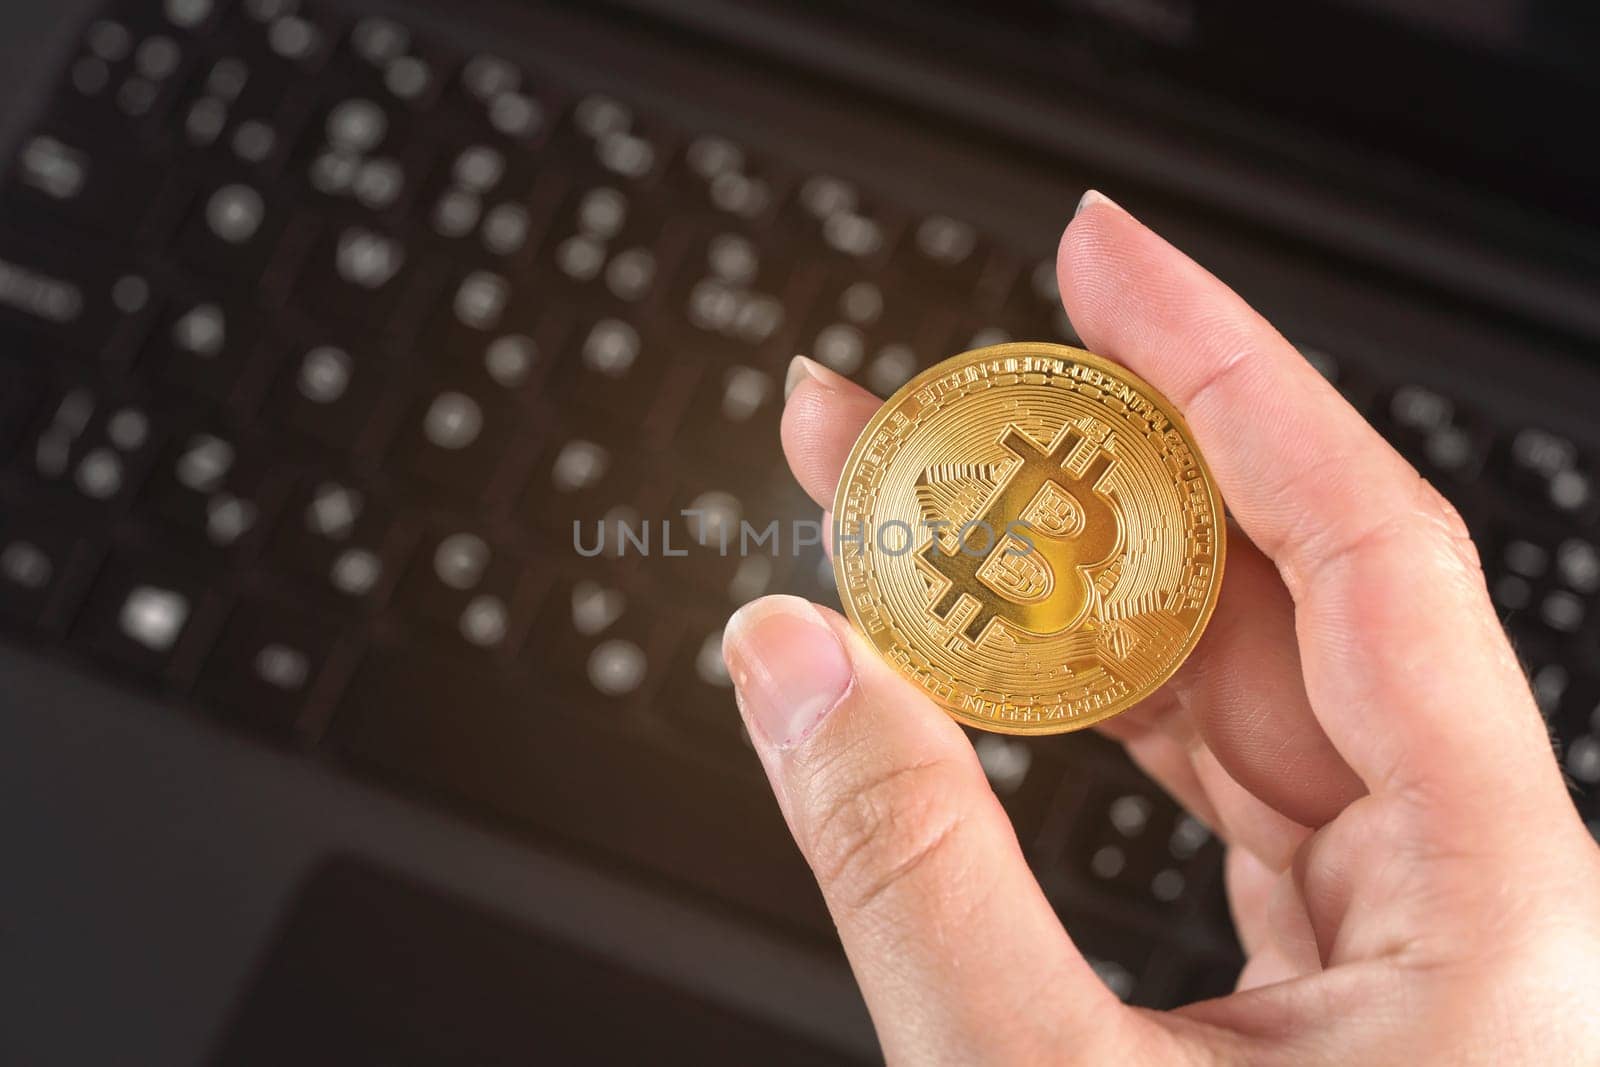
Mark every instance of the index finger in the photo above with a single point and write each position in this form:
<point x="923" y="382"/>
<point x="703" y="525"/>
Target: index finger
<point x="1404" y="658"/>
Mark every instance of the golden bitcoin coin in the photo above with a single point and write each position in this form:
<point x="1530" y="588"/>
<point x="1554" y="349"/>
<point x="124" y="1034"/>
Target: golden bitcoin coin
<point x="1028" y="532"/>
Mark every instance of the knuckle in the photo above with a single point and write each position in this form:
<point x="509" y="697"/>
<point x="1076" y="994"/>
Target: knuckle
<point x="1422" y="522"/>
<point x="1446" y="524"/>
<point x="870" y="835"/>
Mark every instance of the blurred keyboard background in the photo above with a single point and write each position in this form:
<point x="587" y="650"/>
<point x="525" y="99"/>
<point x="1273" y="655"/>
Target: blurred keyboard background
<point x="317" y="334"/>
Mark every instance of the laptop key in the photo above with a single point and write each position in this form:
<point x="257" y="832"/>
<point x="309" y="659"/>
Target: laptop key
<point x="612" y="141"/>
<point x="340" y="542"/>
<point x="482" y="307"/>
<point x="1544" y="580"/>
<point x="504" y="340"/>
<point x="603" y="248"/>
<point x="1516" y="563"/>
<point x="1444" y="440"/>
<point x="94" y="447"/>
<point x="151" y="615"/>
<point x="598" y="645"/>
<point x="131" y="61"/>
<point x="1135" y="844"/>
<point x="299" y="35"/>
<point x="385" y="59"/>
<point x="213" y="492"/>
<point x="357" y="277"/>
<point x="196" y="19"/>
<point x="732" y="295"/>
<point x="879" y="334"/>
<point x="201" y="344"/>
<point x="729" y="180"/>
<point x="265" y="670"/>
<point x="733" y="415"/>
<point x="1574" y="716"/>
<point x="45" y="567"/>
<point x="581" y="482"/>
<point x="946" y="254"/>
<point x="236" y="110"/>
<point x="469" y="594"/>
<point x="231" y="229"/>
<point x="614" y="371"/>
<point x="498" y="100"/>
<point x="1577" y="565"/>
<point x="730" y="537"/>
<point x="326" y="390"/>
<point x="483" y="201"/>
<point x="83" y="182"/>
<point x="76" y="299"/>
<point x="841" y="221"/>
<point x="1549" y="674"/>
<point x="359" y="157"/>
<point x="458" y="434"/>
<point x="1549" y="472"/>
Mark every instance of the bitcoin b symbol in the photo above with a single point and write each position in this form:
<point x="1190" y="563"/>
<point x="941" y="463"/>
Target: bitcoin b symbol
<point x="1043" y="588"/>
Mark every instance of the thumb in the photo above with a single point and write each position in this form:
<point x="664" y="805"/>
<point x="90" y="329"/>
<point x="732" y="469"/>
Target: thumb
<point x="958" y="954"/>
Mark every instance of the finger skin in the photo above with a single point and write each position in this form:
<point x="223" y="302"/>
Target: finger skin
<point x="1240" y="692"/>
<point x="821" y="421"/>
<point x="1386" y="587"/>
<point x="949" y="935"/>
<point x="1236" y="713"/>
<point x="1249" y="883"/>
<point x="1436" y="942"/>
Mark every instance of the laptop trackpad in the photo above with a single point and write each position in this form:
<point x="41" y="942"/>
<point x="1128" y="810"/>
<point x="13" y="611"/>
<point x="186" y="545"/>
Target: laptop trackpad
<point x="371" y="968"/>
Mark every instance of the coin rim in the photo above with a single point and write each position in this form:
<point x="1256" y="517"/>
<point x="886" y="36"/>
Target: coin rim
<point x="1048" y="349"/>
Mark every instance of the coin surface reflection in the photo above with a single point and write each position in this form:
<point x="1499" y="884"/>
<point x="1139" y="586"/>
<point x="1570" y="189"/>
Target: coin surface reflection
<point x="1028" y="532"/>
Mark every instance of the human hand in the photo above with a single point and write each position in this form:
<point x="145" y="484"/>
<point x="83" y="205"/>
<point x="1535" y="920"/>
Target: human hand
<point x="1407" y="874"/>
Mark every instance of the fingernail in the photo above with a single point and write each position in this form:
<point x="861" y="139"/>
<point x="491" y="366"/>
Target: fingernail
<point x="1090" y="199"/>
<point x="802" y="368"/>
<point x="787" y="667"/>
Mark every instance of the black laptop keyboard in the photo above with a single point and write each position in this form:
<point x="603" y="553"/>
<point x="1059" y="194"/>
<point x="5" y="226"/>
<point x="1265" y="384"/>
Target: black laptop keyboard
<point x="315" y="338"/>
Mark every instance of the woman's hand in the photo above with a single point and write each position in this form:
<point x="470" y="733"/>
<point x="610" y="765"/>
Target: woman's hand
<point x="1407" y="873"/>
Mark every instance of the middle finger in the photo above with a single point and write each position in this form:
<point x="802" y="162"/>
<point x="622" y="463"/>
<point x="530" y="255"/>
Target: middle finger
<point x="1241" y="692"/>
